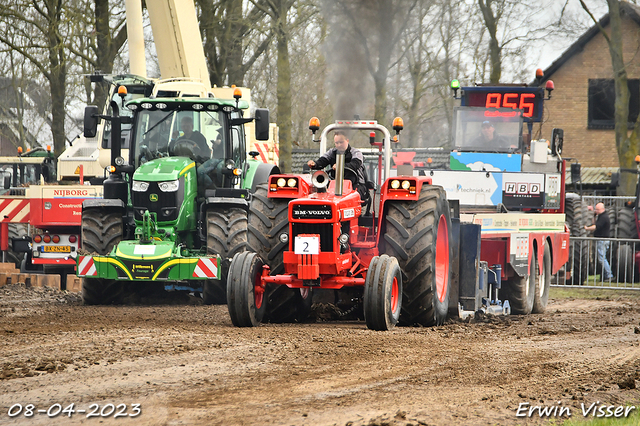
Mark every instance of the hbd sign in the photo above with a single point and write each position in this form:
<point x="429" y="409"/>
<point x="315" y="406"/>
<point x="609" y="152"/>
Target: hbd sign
<point x="523" y="190"/>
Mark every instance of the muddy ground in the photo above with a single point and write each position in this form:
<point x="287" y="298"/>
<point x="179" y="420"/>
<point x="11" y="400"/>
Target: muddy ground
<point x="184" y="363"/>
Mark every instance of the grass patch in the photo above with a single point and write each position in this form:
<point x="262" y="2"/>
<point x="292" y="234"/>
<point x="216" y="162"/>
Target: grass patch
<point x="632" y="420"/>
<point x="591" y="293"/>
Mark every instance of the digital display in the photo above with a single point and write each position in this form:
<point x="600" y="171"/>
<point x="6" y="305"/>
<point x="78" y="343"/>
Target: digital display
<point x="527" y="99"/>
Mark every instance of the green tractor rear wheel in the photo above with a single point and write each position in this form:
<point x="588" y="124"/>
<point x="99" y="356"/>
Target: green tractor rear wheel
<point x="226" y="236"/>
<point x="101" y="231"/>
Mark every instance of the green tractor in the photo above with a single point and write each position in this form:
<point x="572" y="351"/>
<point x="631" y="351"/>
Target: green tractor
<point x="174" y="213"/>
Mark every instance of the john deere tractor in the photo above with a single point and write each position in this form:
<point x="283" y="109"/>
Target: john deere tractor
<point x="175" y="211"/>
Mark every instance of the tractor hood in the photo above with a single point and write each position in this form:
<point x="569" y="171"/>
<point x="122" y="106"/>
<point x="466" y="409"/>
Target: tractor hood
<point x="163" y="169"/>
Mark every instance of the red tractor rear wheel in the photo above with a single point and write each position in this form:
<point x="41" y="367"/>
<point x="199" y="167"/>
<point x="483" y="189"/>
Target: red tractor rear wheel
<point x="418" y="234"/>
<point x="383" y="293"/>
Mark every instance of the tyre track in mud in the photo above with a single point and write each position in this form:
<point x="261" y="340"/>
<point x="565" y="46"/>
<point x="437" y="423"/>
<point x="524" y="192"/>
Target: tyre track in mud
<point x="186" y="364"/>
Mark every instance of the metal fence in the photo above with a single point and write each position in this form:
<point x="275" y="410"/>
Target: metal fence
<point x="612" y="204"/>
<point x="585" y="269"/>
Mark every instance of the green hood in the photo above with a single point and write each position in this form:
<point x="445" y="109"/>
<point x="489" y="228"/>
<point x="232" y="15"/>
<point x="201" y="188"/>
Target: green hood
<point x="163" y="169"/>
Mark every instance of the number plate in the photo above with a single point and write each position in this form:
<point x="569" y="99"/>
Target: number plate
<point x="56" y="249"/>
<point x="306" y="245"/>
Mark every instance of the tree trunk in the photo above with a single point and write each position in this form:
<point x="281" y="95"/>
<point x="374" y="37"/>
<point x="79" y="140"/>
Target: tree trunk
<point x="237" y="27"/>
<point x="213" y="51"/>
<point x="284" y="90"/>
<point x="626" y="152"/>
<point x="495" y="52"/>
<point x="58" y="74"/>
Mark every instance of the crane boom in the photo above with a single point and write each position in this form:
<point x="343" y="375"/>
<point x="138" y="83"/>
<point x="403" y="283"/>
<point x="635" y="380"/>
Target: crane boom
<point x="178" y="41"/>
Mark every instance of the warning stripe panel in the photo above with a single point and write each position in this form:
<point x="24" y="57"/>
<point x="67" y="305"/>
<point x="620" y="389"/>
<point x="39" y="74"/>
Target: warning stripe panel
<point x="206" y="268"/>
<point x="86" y="266"/>
<point x="15" y="210"/>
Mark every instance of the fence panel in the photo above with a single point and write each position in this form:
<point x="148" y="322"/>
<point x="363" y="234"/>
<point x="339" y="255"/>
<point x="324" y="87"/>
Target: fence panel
<point x="585" y="268"/>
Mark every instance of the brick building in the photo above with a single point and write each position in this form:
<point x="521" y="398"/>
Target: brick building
<point x="583" y="99"/>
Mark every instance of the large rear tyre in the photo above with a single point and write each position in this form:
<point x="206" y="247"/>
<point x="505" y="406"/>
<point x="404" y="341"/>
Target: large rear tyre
<point x="245" y="294"/>
<point x="626" y="222"/>
<point x="623" y="264"/>
<point x="417" y="234"/>
<point x="577" y="216"/>
<point x="101" y="231"/>
<point x="543" y="283"/>
<point x="383" y="293"/>
<point x="268" y="218"/>
<point x="226" y="236"/>
<point x="101" y="292"/>
<point x="16" y="230"/>
<point x="520" y="291"/>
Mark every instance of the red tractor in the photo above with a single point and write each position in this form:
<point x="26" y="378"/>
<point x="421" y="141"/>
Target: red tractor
<point x="392" y="254"/>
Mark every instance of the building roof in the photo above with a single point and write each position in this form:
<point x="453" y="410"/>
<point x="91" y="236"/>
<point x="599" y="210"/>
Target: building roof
<point x="593" y="175"/>
<point x="628" y="9"/>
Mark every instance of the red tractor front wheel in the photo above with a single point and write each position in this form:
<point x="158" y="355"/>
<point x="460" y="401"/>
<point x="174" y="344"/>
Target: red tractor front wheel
<point x="245" y="293"/>
<point x="383" y="293"/>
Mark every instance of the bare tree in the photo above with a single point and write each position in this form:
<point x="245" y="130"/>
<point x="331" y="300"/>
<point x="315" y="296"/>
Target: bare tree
<point x="34" y="30"/>
<point x="627" y="144"/>
<point x="234" y="38"/>
<point x="284" y="16"/>
<point x="376" y="27"/>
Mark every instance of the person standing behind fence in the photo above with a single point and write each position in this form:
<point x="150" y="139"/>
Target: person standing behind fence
<point x="602" y="229"/>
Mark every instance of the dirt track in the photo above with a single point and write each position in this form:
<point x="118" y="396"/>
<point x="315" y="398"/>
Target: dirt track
<point x="186" y="364"/>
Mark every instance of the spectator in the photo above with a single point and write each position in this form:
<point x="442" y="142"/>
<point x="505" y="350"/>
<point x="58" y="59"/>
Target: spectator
<point x="602" y="229"/>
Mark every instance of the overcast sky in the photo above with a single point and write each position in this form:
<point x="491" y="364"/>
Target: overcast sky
<point x="552" y="48"/>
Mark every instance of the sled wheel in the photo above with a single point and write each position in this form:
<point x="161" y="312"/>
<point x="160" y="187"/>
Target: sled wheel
<point x="521" y="290"/>
<point x="543" y="282"/>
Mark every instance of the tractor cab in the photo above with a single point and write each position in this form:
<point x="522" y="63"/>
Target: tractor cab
<point x="29" y="168"/>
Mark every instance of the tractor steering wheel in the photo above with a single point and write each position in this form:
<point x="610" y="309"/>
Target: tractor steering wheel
<point x="186" y="148"/>
<point x="349" y="174"/>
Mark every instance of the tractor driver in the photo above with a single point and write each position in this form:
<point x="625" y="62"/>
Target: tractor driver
<point x="353" y="159"/>
<point x="488" y="137"/>
<point x="194" y="141"/>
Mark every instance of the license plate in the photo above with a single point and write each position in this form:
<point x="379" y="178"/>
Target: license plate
<point x="306" y="245"/>
<point x="57" y="249"/>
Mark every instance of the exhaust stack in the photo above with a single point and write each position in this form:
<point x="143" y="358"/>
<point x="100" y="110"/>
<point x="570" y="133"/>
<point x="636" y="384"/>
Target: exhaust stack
<point x="339" y="172"/>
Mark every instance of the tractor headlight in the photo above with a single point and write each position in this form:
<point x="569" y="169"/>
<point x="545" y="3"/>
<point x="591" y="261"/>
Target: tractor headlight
<point x="139" y="186"/>
<point x="406" y="184"/>
<point x="343" y="238"/>
<point x="170" y="186"/>
<point x="281" y="182"/>
<point x="395" y="184"/>
<point x="284" y="238"/>
<point x="291" y="183"/>
<point x="119" y="161"/>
